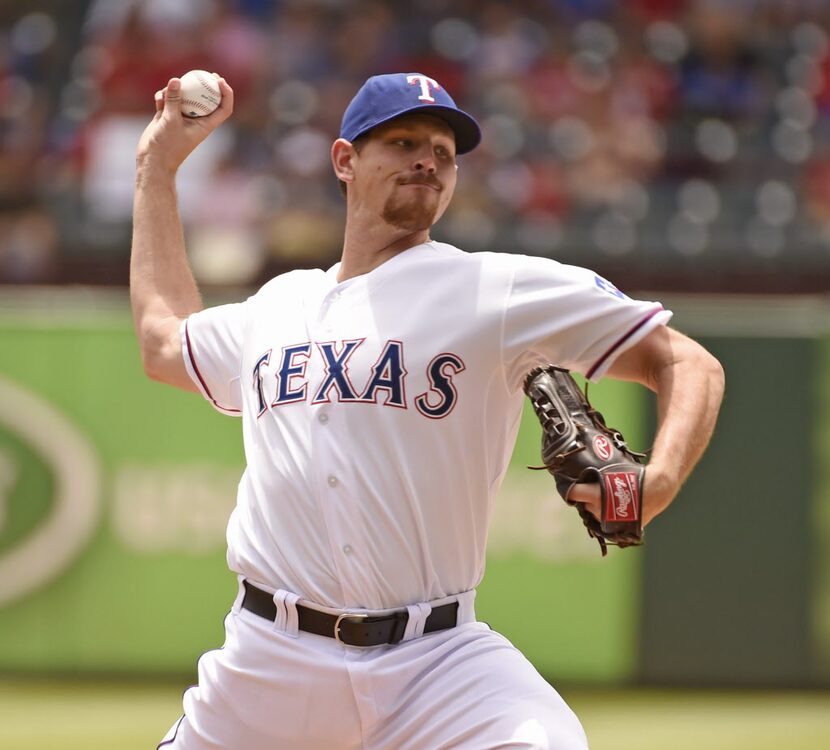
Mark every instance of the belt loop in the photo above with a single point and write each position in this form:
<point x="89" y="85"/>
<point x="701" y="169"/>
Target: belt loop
<point x="240" y="595"/>
<point x="287" y="620"/>
<point x="418" y="614"/>
<point x="466" y="607"/>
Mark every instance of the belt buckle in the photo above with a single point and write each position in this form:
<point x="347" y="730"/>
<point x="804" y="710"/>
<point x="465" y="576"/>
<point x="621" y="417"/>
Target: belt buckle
<point x="346" y="616"/>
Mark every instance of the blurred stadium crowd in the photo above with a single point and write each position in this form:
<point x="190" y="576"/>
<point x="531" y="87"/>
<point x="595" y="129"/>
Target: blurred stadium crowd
<point x="674" y="144"/>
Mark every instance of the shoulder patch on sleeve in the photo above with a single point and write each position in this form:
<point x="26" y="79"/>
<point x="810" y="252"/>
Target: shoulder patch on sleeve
<point x="607" y="286"/>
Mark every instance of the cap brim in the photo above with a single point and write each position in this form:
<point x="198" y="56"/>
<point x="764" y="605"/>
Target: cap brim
<point x="466" y="129"/>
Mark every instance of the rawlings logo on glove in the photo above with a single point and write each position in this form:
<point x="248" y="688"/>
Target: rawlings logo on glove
<point x="577" y="446"/>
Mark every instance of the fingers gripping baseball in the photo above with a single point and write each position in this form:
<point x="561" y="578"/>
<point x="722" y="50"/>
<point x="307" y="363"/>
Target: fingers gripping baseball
<point x="172" y="97"/>
<point x="170" y="137"/>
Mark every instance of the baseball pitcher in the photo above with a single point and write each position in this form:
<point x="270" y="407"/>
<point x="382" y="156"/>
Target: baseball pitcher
<point x="380" y="400"/>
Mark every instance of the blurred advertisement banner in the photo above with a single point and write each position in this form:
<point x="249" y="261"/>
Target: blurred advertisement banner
<point x="41" y="542"/>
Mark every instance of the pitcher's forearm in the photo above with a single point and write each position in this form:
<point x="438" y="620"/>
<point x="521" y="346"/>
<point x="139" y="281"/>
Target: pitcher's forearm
<point x="161" y="282"/>
<point x="689" y="395"/>
<point x="689" y="384"/>
<point x="162" y="289"/>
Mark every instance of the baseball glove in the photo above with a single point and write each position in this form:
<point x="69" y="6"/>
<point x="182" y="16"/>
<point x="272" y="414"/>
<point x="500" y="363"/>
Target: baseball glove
<point x="577" y="446"/>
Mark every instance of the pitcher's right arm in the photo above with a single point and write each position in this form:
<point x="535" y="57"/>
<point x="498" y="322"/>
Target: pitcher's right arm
<point x="163" y="291"/>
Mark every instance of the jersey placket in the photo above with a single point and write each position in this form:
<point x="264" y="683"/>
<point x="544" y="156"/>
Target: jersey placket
<point x="334" y="479"/>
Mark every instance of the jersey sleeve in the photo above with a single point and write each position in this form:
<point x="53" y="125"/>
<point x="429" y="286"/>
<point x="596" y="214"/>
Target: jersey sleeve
<point x="212" y="343"/>
<point x="571" y="317"/>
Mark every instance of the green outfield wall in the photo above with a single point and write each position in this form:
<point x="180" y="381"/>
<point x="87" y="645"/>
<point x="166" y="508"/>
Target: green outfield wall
<point x="736" y="584"/>
<point x="114" y="493"/>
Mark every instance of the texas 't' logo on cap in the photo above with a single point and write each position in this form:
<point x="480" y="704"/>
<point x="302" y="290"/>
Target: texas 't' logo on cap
<point x="426" y="83"/>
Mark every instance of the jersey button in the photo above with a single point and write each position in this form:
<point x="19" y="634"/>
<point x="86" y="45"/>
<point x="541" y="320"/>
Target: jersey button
<point x="323" y="418"/>
<point x="332" y="480"/>
<point x="347" y="549"/>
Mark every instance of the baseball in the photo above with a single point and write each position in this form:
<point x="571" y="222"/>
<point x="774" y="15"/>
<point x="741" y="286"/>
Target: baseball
<point x="200" y="93"/>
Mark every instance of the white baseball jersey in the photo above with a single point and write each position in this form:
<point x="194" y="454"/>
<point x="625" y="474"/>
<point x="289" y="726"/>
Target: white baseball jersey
<point x="380" y="413"/>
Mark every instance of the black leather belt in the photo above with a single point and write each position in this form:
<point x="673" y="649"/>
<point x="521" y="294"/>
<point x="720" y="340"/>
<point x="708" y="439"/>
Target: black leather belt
<point x="353" y="629"/>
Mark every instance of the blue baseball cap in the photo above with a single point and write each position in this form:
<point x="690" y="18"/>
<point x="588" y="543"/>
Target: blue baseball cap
<point x="385" y="97"/>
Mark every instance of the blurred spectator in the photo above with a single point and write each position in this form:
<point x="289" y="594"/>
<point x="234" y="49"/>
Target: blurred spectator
<point x="723" y="74"/>
<point x="226" y="239"/>
<point x="29" y="245"/>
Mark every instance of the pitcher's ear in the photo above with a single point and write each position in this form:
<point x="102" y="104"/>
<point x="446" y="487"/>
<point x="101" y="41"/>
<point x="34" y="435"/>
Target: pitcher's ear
<point x="342" y="159"/>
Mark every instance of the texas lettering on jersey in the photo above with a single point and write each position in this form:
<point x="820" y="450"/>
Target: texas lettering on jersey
<point x="385" y="384"/>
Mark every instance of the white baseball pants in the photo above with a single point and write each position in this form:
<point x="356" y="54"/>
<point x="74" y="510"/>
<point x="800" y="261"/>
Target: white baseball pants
<point x="467" y="688"/>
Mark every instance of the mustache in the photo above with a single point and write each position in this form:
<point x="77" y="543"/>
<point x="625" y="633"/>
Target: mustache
<point x="422" y="179"/>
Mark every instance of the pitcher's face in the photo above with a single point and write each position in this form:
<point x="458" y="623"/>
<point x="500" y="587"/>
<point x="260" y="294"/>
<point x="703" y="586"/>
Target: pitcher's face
<point x="405" y="172"/>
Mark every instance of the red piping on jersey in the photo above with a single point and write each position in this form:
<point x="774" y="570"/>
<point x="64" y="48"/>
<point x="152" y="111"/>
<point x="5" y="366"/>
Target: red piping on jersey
<point x="199" y="374"/>
<point x="620" y="341"/>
